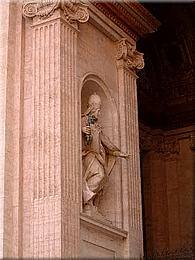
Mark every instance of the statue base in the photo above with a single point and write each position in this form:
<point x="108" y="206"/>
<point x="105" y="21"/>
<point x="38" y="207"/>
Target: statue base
<point x="92" y="211"/>
<point x="100" y="239"/>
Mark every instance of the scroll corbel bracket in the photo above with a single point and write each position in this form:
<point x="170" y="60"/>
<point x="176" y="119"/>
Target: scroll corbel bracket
<point x="133" y="59"/>
<point x="74" y="10"/>
<point x="42" y="9"/>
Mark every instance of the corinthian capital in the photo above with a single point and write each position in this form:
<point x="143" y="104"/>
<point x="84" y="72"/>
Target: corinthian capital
<point x="128" y="53"/>
<point x="74" y="10"/>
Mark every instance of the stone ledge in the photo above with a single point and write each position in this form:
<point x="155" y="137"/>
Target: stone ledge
<point x="103" y="227"/>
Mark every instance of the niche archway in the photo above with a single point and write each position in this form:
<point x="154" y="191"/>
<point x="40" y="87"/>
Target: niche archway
<point x="110" y="203"/>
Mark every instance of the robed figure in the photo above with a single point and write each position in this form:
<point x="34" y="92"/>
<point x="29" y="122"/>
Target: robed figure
<point x="98" y="155"/>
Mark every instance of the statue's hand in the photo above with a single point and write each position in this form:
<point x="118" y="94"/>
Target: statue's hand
<point x="86" y="130"/>
<point x="121" y="154"/>
<point x="124" y="155"/>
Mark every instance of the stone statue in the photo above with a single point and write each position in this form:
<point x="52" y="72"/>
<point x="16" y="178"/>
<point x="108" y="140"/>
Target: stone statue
<point x="99" y="156"/>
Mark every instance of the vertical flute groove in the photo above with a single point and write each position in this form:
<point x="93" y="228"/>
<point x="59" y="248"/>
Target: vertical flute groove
<point x="49" y="80"/>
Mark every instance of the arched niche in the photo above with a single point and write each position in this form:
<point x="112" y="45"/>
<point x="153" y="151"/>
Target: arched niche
<point x="110" y="204"/>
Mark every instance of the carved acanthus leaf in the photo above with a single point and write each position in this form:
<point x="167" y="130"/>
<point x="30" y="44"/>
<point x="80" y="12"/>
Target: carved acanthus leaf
<point x="128" y="53"/>
<point x="74" y="10"/>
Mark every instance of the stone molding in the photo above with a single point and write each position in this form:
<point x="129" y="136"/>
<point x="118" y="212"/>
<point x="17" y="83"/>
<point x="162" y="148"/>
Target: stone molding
<point x="74" y="11"/>
<point x="109" y="230"/>
<point x="131" y="17"/>
<point x="127" y="53"/>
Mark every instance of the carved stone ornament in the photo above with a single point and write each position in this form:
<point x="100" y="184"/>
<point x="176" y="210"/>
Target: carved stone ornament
<point x="74" y="10"/>
<point x="128" y="53"/>
<point x="167" y="145"/>
<point x="159" y="143"/>
<point x="192" y="141"/>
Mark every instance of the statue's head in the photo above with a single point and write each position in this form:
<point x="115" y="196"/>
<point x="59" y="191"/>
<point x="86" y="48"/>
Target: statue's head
<point x="94" y="104"/>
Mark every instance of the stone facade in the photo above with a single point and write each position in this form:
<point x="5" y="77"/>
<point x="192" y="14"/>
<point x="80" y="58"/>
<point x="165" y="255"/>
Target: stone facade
<point x="61" y="52"/>
<point x="54" y="55"/>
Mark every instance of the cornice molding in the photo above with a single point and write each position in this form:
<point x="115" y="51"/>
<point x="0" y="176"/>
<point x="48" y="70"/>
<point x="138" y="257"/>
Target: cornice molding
<point x="115" y="19"/>
<point x="74" y="11"/>
<point x="132" y="17"/>
<point x="129" y="55"/>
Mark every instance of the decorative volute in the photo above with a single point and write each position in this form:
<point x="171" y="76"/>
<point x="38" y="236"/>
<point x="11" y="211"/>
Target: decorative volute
<point x="74" y="11"/>
<point x="127" y="52"/>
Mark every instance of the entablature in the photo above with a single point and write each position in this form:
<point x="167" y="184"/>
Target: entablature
<point x="130" y="19"/>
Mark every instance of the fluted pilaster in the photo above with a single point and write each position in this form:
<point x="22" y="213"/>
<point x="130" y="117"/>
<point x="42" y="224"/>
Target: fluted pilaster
<point x="55" y="201"/>
<point x="70" y="137"/>
<point x="128" y="60"/>
<point x="46" y="179"/>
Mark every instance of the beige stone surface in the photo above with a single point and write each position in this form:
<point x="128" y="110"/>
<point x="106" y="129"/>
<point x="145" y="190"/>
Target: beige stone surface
<point x="4" y="15"/>
<point x="51" y="98"/>
<point x="99" y="239"/>
<point x="93" y="77"/>
<point x="11" y="92"/>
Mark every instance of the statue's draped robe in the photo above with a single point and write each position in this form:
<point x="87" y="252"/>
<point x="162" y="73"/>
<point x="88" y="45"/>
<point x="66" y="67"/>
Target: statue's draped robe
<point x="98" y="160"/>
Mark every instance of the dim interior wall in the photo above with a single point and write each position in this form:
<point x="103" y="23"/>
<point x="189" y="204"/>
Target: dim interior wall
<point x="168" y="196"/>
